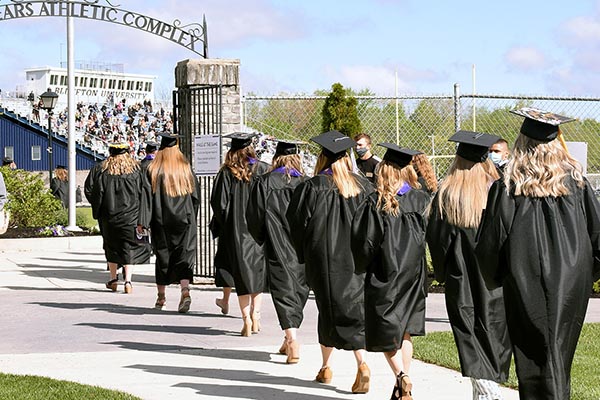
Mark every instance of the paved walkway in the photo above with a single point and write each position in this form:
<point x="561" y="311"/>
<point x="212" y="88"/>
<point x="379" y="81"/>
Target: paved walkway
<point x="58" y="321"/>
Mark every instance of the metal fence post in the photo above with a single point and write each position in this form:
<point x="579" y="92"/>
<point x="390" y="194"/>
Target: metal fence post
<point x="456" y="107"/>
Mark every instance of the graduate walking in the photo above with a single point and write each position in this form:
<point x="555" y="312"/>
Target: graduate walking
<point x="239" y="261"/>
<point x="388" y="242"/>
<point x="476" y="313"/>
<point x="265" y="215"/>
<point x="540" y="241"/>
<point x="170" y="210"/>
<point x="320" y="216"/>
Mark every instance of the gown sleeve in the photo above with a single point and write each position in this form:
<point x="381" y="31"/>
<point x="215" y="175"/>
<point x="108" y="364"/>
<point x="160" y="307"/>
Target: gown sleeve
<point x="255" y="211"/>
<point x="366" y="235"/>
<point x="592" y="215"/>
<point x="439" y="235"/>
<point x="145" y="215"/>
<point x="219" y="201"/>
<point x="493" y="232"/>
<point x="97" y="195"/>
<point x="298" y="214"/>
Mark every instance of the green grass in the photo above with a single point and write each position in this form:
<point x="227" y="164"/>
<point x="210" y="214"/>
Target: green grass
<point x="84" y="219"/>
<point x="27" y="387"/>
<point x="439" y="348"/>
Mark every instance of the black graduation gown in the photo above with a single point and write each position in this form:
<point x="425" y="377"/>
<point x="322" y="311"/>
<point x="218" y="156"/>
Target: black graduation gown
<point x="238" y="255"/>
<point x="476" y="313"/>
<point x="265" y="215"/>
<point x="90" y="180"/>
<point x="60" y="190"/>
<point x="320" y="221"/>
<point x="391" y="249"/>
<point x="173" y="228"/>
<point x="115" y="201"/>
<point x="541" y="250"/>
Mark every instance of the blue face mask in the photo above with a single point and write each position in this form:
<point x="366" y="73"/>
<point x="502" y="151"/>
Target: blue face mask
<point x="361" y="151"/>
<point x="495" y="157"/>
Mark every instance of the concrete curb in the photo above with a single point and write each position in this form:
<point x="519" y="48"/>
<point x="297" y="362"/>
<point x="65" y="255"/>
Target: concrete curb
<point x="51" y="243"/>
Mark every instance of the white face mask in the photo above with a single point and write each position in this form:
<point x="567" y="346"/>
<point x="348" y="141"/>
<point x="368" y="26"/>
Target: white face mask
<point x="495" y="157"/>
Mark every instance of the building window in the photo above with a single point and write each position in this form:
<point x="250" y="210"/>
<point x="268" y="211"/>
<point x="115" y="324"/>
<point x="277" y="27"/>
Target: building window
<point x="53" y="79"/>
<point x="36" y="153"/>
<point x="63" y="80"/>
<point x="9" y="151"/>
<point x="121" y="84"/>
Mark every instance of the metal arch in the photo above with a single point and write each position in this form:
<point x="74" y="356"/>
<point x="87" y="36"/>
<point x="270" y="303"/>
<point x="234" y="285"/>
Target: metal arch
<point x="192" y="36"/>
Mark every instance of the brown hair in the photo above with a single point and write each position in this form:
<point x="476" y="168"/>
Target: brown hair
<point x="61" y="174"/>
<point x="390" y="179"/>
<point x="363" y="136"/>
<point x="238" y="163"/>
<point x="171" y="165"/>
<point x="423" y="168"/>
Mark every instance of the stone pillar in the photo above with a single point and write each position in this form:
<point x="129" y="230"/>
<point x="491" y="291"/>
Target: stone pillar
<point x="215" y="72"/>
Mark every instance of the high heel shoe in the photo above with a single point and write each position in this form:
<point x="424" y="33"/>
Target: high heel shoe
<point x="112" y="284"/>
<point x="363" y="378"/>
<point x="255" y="321"/>
<point x="293" y="352"/>
<point x="283" y="348"/>
<point x="402" y="388"/>
<point x="128" y="287"/>
<point x="325" y="375"/>
<point x="247" y="328"/>
<point x="161" y="300"/>
<point x="185" y="301"/>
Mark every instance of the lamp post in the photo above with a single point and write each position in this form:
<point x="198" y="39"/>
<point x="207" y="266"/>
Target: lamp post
<point x="49" y="99"/>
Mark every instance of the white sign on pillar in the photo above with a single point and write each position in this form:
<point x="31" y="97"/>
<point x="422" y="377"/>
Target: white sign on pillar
<point x="207" y="155"/>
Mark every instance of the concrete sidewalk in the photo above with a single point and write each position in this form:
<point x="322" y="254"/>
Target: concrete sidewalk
<point x="59" y="321"/>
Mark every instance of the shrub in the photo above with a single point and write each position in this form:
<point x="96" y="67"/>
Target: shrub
<point x="30" y="202"/>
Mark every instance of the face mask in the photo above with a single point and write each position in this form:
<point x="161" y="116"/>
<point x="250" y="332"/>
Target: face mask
<point x="362" y="151"/>
<point x="495" y="157"/>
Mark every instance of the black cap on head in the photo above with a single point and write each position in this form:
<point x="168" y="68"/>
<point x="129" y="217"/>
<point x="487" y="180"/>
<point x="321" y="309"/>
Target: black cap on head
<point x="473" y="146"/>
<point x="334" y="143"/>
<point x="114" y="149"/>
<point x="168" y="140"/>
<point x="287" y="147"/>
<point x="61" y="167"/>
<point x="7" y="161"/>
<point x="240" y="140"/>
<point x="540" y="125"/>
<point x="398" y="155"/>
<point x="151" y="147"/>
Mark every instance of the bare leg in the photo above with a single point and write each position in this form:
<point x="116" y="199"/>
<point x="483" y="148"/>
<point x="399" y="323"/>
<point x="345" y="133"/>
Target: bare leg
<point x="407" y="353"/>
<point x="112" y="268"/>
<point x="128" y="273"/>
<point x="326" y="355"/>
<point x="290" y="334"/>
<point x="226" y="294"/>
<point x="255" y="311"/>
<point x="244" y="302"/>
<point x="363" y="373"/>
<point x="394" y="361"/>
<point x="185" y="284"/>
<point x="360" y="356"/>
<point x="186" y="300"/>
<point x="223" y="303"/>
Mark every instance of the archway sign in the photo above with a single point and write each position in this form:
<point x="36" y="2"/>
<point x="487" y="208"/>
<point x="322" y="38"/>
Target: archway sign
<point x="192" y="36"/>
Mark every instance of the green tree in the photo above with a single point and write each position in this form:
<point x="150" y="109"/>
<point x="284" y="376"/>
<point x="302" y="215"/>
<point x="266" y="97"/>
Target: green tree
<point x="340" y="112"/>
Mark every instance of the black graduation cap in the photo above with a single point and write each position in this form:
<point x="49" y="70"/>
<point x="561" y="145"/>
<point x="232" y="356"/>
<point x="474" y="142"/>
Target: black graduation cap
<point x="239" y="140"/>
<point x="115" y="149"/>
<point x="398" y="155"/>
<point x="7" y="160"/>
<point x="473" y="146"/>
<point x="287" y="147"/>
<point x="151" y="147"/>
<point x="334" y="143"/>
<point x="61" y="167"/>
<point x="168" y="140"/>
<point x="540" y="125"/>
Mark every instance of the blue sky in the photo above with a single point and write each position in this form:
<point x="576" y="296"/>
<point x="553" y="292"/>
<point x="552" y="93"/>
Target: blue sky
<point x="537" y="47"/>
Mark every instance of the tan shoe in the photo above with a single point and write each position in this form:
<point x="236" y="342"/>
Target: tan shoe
<point x="128" y="287"/>
<point x="283" y="348"/>
<point x="161" y="300"/>
<point x="325" y="375"/>
<point x="185" y="302"/>
<point x="293" y="352"/>
<point x="363" y="378"/>
<point x="405" y="387"/>
<point x="256" y="322"/>
<point x="247" y="328"/>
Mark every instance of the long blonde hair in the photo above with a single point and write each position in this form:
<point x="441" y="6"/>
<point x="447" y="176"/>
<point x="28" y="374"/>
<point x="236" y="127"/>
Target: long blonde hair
<point x="423" y="168"/>
<point x="346" y="183"/>
<point x="390" y="179"/>
<point x="61" y="174"/>
<point x="463" y="193"/>
<point x="238" y="163"/>
<point x="120" y="164"/>
<point x="288" y="161"/>
<point x="539" y="169"/>
<point x="171" y="165"/>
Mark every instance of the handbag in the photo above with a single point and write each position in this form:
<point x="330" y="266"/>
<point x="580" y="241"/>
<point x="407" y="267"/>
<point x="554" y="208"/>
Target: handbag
<point x="4" y="220"/>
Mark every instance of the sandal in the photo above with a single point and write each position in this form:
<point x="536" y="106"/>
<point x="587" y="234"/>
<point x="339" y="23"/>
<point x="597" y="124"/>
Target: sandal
<point x="112" y="284"/>
<point x="128" y="287"/>
<point x="185" y="302"/>
<point x="161" y="299"/>
<point x="402" y="388"/>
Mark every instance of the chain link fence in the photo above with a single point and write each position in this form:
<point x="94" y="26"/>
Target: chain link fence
<point x="426" y="122"/>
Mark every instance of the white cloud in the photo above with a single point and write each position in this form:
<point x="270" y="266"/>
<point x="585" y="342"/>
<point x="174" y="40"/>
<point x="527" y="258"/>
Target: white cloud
<point x="582" y="31"/>
<point x="525" y="58"/>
